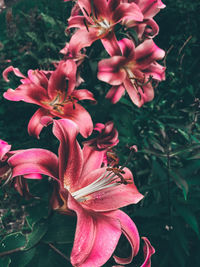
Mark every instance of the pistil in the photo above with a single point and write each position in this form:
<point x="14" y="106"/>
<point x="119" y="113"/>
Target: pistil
<point x="57" y="104"/>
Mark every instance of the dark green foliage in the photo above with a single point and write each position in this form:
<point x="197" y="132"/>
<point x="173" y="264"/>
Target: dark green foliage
<point x="166" y="131"/>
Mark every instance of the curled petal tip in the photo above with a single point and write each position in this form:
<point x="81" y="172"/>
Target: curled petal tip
<point x="16" y="71"/>
<point x="46" y="120"/>
<point x="148" y="252"/>
<point x="133" y="148"/>
<point x="4" y="148"/>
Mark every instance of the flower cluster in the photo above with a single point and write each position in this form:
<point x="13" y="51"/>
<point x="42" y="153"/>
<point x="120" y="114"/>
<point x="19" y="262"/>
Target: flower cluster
<point x="89" y="181"/>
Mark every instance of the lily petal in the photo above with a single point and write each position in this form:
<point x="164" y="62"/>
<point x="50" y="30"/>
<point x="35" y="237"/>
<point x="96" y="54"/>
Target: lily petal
<point x="29" y="93"/>
<point x="115" y="93"/>
<point x="76" y="22"/>
<point x="113" y="4"/>
<point x="110" y="44"/>
<point x="4" y="148"/>
<point x="83" y="94"/>
<point x="133" y="93"/>
<point x="150" y="29"/>
<point x="82" y="38"/>
<point x="147" y="52"/>
<point x="146" y="93"/>
<point x="101" y="8"/>
<point x="92" y="160"/>
<point x="150" y="7"/>
<point x="129" y="229"/>
<point x="156" y="70"/>
<point x="127" y="10"/>
<point x="35" y="126"/>
<point x="113" y="197"/>
<point x="85" y="7"/>
<point x="80" y="116"/>
<point x="109" y="70"/>
<point x="33" y="176"/>
<point x="148" y="252"/>
<point x="66" y="70"/>
<point x="70" y="154"/>
<point x="96" y="237"/>
<point x="127" y="48"/>
<point x="34" y="160"/>
<point x="16" y="71"/>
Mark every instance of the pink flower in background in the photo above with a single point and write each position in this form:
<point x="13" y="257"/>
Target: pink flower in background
<point x="54" y="92"/>
<point x="92" y="192"/>
<point x="107" y="137"/>
<point x="101" y="145"/>
<point x="148" y="28"/>
<point x="98" y="21"/>
<point x="19" y="182"/>
<point x="133" y="71"/>
<point x="5" y="170"/>
<point x="71" y="52"/>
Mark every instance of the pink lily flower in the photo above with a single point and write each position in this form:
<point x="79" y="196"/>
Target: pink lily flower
<point x="148" y="28"/>
<point x="70" y="53"/>
<point x="107" y="137"/>
<point x="133" y="71"/>
<point x="98" y="22"/>
<point x="19" y="182"/>
<point x="100" y="146"/>
<point x="92" y="192"/>
<point x="49" y="90"/>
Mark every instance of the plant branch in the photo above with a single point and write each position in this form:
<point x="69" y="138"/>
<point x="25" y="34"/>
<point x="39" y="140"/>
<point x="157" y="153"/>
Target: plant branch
<point x="8" y="252"/>
<point x="168" y="189"/>
<point x="59" y="252"/>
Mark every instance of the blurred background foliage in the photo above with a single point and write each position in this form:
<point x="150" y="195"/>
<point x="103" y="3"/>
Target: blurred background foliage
<point x="166" y="131"/>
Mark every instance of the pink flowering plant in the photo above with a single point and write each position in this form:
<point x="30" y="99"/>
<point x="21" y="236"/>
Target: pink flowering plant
<point x="79" y="213"/>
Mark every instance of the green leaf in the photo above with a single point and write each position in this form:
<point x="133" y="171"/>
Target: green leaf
<point x="177" y="252"/>
<point x="184" y="134"/>
<point x="5" y="261"/>
<point x="157" y="146"/>
<point x="180" y="235"/>
<point x="180" y="182"/>
<point x="159" y="170"/>
<point x="33" y="36"/>
<point x="61" y="229"/>
<point x="197" y="156"/>
<point x="22" y="258"/>
<point x="45" y="256"/>
<point x="39" y="230"/>
<point x="36" y="213"/>
<point x="48" y="19"/>
<point x="12" y="241"/>
<point x="188" y="216"/>
<point x="133" y="35"/>
<point x="153" y="152"/>
<point x="183" y="149"/>
<point x="193" y="166"/>
<point x="126" y="102"/>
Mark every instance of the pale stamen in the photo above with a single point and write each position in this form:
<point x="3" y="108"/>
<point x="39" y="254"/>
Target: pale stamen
<point x="7" y="176"/>
<point x="106" y="180"/>
<point x="130" y="75"/>
<point x="57" y="103"/>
